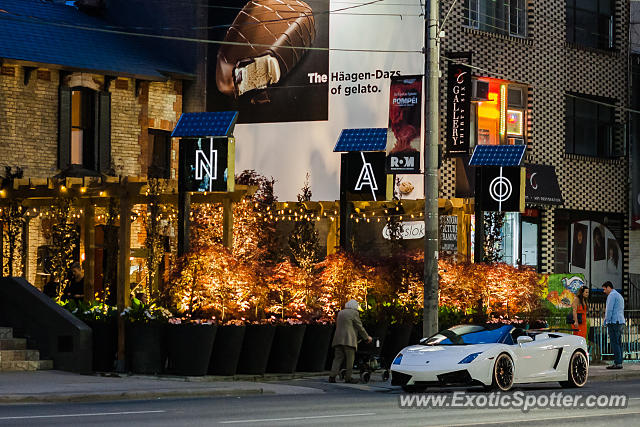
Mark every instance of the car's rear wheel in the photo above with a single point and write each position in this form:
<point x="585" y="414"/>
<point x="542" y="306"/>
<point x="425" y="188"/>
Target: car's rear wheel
<point x="578" y="371"/>
<point x="502" y="378"/>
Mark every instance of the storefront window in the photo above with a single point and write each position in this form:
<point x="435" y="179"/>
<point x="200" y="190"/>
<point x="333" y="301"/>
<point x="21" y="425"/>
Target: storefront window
<point x="499" y="116"/>
<point x="510" y="238"/>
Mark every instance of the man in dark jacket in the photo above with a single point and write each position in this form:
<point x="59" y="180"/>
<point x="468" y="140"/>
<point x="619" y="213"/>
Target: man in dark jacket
<point x="75" y="288"/>
<point x="345" y="340"/>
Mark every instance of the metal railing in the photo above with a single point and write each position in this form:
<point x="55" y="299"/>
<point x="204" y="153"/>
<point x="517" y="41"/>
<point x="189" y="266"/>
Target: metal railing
<point x="598" y="336"/>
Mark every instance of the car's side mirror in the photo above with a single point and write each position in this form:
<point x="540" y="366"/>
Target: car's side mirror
<point x="524" y="339"/>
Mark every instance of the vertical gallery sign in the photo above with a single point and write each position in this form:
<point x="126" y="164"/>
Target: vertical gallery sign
<point x="403" y="134"/>
<point x="458" y="109"/>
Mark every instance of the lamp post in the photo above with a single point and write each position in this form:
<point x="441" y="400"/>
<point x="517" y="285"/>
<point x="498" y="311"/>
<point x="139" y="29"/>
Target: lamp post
<point x="431" y="139"/>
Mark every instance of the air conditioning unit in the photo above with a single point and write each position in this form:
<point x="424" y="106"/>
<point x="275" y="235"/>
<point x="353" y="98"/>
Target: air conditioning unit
<point x="515" y="141"/>
<point x="480" y="90"/>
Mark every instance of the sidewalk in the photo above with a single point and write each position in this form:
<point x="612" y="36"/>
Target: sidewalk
<point x="630" y="371"/>
<point x="59" y="386"/>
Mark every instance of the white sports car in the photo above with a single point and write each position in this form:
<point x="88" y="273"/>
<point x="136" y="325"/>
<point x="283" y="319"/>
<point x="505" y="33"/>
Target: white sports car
<point x="493" y="355"/>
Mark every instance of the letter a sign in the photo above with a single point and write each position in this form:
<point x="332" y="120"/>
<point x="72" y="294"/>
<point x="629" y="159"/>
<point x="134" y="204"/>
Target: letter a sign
<point x="367" y="178"/>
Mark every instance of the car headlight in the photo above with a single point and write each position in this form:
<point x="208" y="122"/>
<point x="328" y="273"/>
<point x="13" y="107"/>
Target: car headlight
<point x="398" y="359"/>
<point x="470" y="358"/>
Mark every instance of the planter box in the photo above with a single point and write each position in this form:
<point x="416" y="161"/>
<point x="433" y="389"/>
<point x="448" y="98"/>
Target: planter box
<point x="315" y="348"/>
<point x="226" y="350"/>
<point x="256" y="347"/>
<point x="285" y="349"/>
<point x="397" y="338"/>
<point x="105" y="344"/>
<point x="189" y="348"/>
<point x="145" y="347"/>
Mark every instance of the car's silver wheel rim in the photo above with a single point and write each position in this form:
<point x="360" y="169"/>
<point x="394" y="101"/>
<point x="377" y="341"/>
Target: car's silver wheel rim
<point x="504" y="372"/>
<point x="579" y="369"/>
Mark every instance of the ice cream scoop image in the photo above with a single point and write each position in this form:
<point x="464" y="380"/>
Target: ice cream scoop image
<point x="405" y="187"/>
<point x="265" y="42"/>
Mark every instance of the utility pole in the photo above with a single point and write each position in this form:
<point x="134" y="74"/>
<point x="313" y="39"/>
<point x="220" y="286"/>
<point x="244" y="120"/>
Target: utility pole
<point x="431" y="140"/>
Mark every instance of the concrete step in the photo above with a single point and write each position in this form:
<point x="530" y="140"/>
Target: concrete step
<point x="45" y="365"/>
<point x="17" y="355"/>
<point x="13" y="344"/>
<point x="6" y="333"/>
<point x="19" y="365"/>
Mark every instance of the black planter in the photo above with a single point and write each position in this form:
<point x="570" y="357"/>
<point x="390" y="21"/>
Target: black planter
<point x="104" y="344"/>
<point x="256" y="347"/>
<point x="397" y="338"/>
<point x="146" y="347"/>
<point x="226" y="350"/>
<point x="285" y="349"/>
<point x="189" y="348"/>
<point x="330" y="352"/>
<point x="315" y="348"/>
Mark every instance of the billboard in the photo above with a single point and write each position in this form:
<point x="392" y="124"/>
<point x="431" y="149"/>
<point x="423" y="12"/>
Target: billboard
<point x="296" y="90"/>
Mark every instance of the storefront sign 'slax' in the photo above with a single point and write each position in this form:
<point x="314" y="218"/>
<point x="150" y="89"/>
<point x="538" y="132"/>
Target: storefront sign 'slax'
<point x="367" y="177"/>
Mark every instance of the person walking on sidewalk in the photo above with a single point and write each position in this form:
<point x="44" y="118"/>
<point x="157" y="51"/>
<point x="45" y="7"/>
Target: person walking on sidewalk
<point x="614" y="319"/>
<point x="345" y="340"/>
<point x="579" y="306"/>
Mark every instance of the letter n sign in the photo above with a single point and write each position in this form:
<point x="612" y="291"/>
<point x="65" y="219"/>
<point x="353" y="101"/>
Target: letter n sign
<point x="206" y="164"/>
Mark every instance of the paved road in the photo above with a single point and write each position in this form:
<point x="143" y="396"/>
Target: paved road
<point x="336" y="405"/>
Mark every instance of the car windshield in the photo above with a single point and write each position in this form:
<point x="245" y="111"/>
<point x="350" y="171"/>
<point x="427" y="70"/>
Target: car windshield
<point x="470" y="334"/>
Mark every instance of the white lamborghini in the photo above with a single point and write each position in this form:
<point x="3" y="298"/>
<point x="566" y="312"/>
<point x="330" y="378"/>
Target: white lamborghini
<point x="494" y="355"/>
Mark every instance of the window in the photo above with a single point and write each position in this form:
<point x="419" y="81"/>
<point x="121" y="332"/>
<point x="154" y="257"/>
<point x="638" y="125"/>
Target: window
<point x="589" y="125"/>
<point x="159" y="152"/>
<point x="84" y="129"/>
<point x="498" y="116"/>
<point x="497" y="16"/>
<point x="590" y="23"/>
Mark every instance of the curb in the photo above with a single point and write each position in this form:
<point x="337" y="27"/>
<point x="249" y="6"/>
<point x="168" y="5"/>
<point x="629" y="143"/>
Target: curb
<point x="232" y="378"/>
<point x="128" y="395"/>
<point x="615" y="376"/>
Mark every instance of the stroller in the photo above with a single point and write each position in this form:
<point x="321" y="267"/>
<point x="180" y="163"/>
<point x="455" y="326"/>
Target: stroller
<point x="368" y="361"/>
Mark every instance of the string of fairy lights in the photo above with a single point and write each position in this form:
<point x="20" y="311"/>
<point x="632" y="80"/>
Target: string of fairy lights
<point x="286" y="212"/>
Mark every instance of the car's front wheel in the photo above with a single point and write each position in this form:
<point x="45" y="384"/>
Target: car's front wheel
<point x="502" y="378"/>
<point x="578" y="371"/>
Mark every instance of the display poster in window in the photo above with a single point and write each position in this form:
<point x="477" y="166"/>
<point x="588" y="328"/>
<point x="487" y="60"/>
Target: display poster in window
<point x="635" y="188"/>
<point x="448" y="234"/>
<point x="367" y="176"/>
<point x="205" y="164"/>
<point x="596" y="252"/>
<point x="458" y="110"/>
<point x="403" y="132"/>
<point x="501" y="189"/>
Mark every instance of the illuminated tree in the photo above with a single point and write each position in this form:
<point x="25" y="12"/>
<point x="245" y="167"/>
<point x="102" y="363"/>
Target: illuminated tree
<point x="14" y="218"/>
<point x="287" y="290"/>
<point x="342" y="277"/>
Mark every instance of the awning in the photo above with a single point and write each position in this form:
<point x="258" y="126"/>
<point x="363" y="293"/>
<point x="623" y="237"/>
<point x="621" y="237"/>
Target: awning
<point x="542" y="185"/>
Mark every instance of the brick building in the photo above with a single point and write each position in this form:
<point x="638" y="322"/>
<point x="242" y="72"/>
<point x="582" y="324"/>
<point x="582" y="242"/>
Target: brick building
<point x="78" y="101"/>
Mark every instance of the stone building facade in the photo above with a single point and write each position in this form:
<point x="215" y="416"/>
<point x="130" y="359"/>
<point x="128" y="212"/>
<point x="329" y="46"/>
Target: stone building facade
<point x="538" y="46"/>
